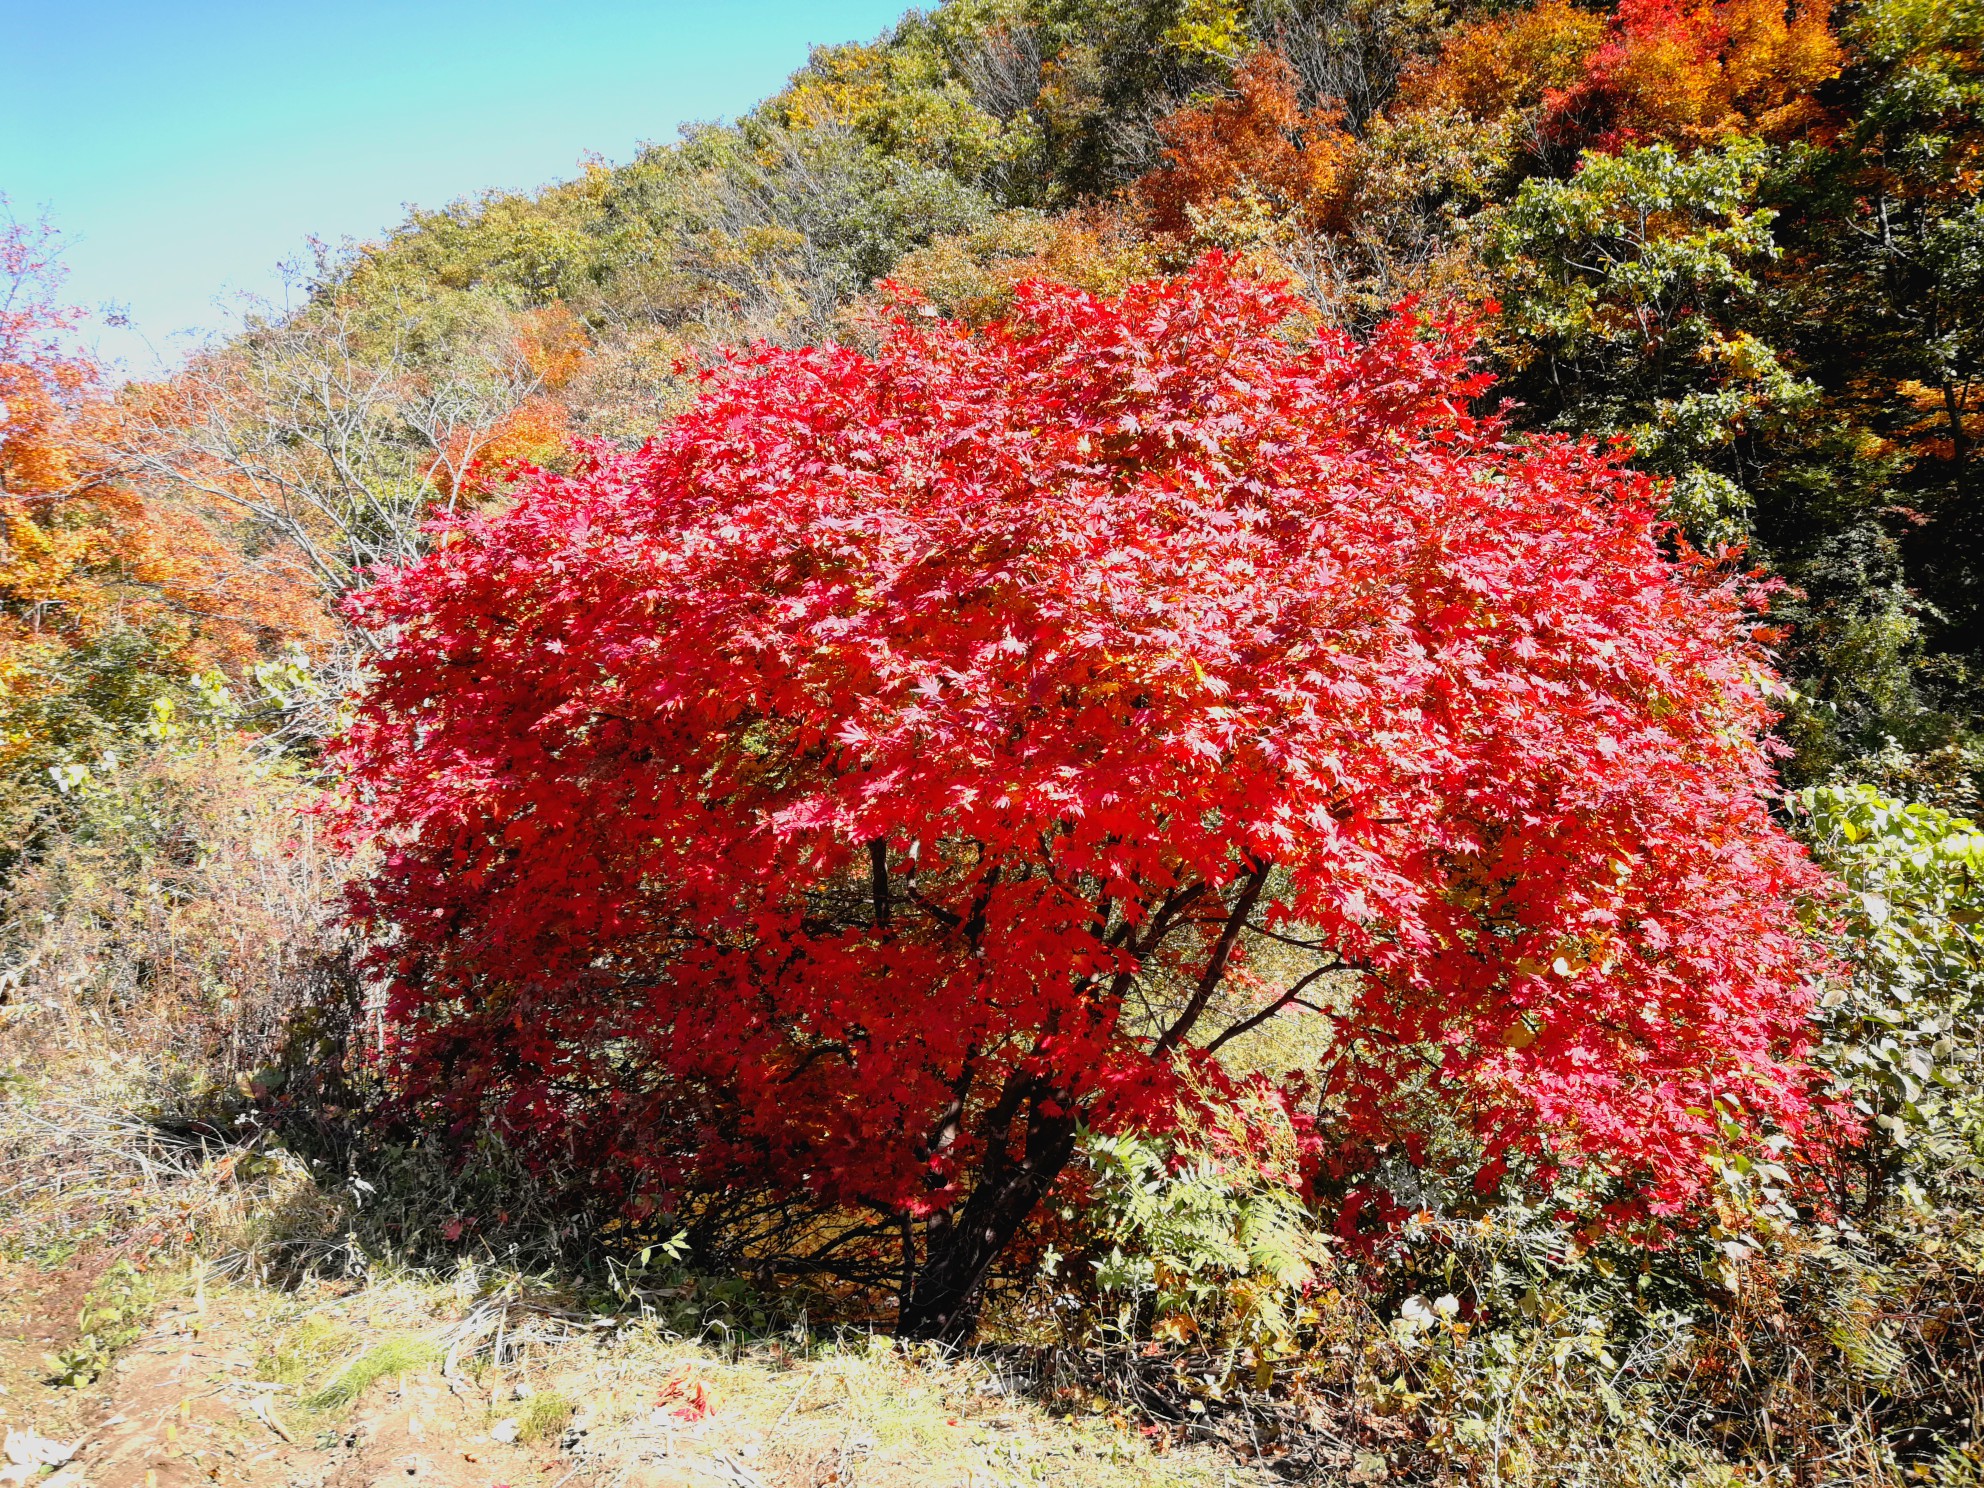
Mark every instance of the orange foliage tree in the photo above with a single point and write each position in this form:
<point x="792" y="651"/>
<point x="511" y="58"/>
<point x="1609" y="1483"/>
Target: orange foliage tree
<point x="81" y="546"/>
<point x="550" y="349"/>
<point x="1686" y="71"/>
<point x="974" y="276"/>
<point x="42" y="558"/>
<point x="1507" y="62"/>
<point x="1259" y="140"/>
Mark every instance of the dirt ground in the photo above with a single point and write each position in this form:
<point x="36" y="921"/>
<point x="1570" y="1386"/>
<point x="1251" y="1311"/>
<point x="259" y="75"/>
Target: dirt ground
<point x="182" y="1406"/>
<point x="38" y="1316"/>
<point x="192" y="1401"/>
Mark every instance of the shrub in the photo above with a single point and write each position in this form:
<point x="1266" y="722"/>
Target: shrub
<point x="905" y="761"/>
<point x="1204" y="1238"/>
<point x="179" y="906"/>
<point x="1905" y="1030"/>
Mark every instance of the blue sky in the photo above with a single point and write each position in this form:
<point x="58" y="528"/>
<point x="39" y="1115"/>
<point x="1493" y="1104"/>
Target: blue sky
<point x="186" y="149"/>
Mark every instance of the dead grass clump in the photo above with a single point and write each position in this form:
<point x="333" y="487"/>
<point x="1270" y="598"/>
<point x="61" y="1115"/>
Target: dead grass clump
<point x="77" y="1165"/>
<point x="178" y="915"/>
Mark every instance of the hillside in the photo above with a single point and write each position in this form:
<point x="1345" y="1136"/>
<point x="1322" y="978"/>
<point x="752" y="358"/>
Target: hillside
<point x="1736" y="246"/>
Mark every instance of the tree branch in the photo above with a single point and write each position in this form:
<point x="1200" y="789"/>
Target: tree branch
<point x="1215" y="970"/>
<point x="1292" y="995"/>
<point x="878" y="878"/>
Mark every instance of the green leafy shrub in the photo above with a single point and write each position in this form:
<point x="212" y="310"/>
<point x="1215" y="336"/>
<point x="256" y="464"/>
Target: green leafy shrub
<point x="1905" y="1032"/>
<point x="112" y="1317"/>
<point x="1202" y="1237"/>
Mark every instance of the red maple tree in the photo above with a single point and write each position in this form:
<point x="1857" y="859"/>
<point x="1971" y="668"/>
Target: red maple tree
<point x="904" y="759"/>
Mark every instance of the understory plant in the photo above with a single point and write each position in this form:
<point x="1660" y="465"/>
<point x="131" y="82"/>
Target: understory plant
<point x="1904" y="1029"/>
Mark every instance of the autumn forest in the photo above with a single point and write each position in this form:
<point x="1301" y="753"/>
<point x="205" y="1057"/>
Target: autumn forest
<point x="1272" y="710"/>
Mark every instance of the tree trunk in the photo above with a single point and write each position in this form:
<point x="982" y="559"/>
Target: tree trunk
<point x="960" y="1248"/>
<point x="1959" y="439"/>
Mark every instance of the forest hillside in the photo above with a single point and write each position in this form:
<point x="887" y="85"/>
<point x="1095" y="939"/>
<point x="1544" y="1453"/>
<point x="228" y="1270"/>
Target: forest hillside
<point x="586" y="608"/>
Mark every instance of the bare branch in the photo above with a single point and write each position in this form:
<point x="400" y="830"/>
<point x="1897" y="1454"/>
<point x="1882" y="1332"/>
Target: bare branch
<point x="1215" y="970"/>
<point x="1292" y="997"/>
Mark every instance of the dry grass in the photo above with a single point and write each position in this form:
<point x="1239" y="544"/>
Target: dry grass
<point x="619" y="1396"/>
<point x="339" y="1346"/>
<point x="79" y="1164"/>
<point x="169" y="925"/>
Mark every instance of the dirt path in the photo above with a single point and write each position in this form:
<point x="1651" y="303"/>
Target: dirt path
<point x="193" y="1400"/>
<point x="182" y="1408"/>
<point x="187" y="1412"/>
<point x="39" y="1307"/>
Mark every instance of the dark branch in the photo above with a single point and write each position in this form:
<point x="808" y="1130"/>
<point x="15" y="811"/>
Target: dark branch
<point x="1292" y="996"/>
<point x="946" y="917"/>
<point x="1160" y="924"/>
<point x="974" y="925"/>
<point x="813" y="1056"/>
<point x="1319" y="946"/>
<point x="878" y="878"/>
<point x="1222" y="951"/>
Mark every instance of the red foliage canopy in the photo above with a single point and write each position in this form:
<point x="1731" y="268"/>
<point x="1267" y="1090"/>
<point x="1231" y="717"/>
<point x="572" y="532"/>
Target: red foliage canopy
<point x="901" y="758"/>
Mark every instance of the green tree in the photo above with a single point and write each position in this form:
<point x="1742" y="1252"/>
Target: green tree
<point x="1886" y="275"/>
<point x="1648" y="296"/>
<point x="1629" y="294"/>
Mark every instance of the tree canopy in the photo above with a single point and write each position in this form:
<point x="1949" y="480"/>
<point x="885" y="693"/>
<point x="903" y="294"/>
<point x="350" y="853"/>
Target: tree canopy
<point x="911" y="757"/>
